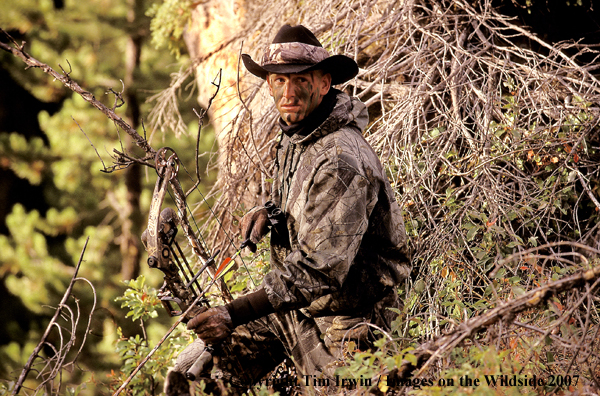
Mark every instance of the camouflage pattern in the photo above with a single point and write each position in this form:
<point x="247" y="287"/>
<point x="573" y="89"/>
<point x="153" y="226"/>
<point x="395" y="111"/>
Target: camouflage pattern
<point x="347" y="243"/>
<point x="292" y="53"/>
<point x="315" y="344"/>
<point x="338" y="269"/>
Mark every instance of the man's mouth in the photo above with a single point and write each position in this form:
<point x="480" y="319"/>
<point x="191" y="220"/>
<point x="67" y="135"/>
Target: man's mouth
<point x="290" y="106"/>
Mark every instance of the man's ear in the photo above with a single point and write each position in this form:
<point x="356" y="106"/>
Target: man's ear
<point x="325" y="84"/>
<point x="268" y="79"/>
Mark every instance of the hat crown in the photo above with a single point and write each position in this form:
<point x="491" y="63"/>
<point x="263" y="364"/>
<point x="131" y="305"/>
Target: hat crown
<point x="296" y="34"/>
<point x="294" y="45"/>
<point x="295" y="49"/>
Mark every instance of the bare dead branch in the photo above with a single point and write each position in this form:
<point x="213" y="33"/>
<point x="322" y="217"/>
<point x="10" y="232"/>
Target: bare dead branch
<point x="17" y="50"/>
<point x="429" y="352"/>
<point x="58" y="362"/>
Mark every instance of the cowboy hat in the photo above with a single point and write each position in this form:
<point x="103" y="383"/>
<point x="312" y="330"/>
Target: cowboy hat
<point x="295" y="49"/>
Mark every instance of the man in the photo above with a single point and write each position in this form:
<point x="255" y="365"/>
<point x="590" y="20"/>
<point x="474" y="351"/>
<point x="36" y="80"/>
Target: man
<point x="341" y="252"/>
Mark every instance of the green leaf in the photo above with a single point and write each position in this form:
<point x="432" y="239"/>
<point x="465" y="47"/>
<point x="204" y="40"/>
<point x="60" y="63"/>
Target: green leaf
<point x="472" y="232"/>
<point x="533" y="241"/>
<point x="419" y="286"/>
<point x="518" y="291"/>
<point x="412" y="359"/>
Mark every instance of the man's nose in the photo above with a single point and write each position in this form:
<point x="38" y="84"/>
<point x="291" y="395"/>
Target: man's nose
<point x="288" y="90"/>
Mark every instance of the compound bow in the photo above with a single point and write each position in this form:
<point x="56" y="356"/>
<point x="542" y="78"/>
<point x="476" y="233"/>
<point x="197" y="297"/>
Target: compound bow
<point x="181" y="285"/>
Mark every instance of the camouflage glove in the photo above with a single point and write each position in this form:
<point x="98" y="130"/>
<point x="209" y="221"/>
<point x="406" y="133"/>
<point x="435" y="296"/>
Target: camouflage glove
<point x="213" y="325"/>
<point x="254" y="226"/>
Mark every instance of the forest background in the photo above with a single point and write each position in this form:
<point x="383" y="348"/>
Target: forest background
<point x="53" y="196"/>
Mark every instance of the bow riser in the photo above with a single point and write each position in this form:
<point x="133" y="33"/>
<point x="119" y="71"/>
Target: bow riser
<point x="154" y="243"/>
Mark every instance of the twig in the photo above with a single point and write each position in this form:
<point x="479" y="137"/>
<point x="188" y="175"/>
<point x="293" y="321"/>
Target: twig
<point x="52" y="323"/>
<point x="200" y="124"/>
<point x="104" y="169"/>
<point x="587" y="189"/>
<point x="428" y="353"/>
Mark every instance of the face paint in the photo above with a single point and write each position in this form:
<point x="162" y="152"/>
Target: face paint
<point x="297" y="95"/>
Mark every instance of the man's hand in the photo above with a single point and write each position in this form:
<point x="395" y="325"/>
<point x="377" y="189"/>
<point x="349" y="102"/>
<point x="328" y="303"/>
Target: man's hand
<point x="212" y="325"/>
<point x="255" y="225"/>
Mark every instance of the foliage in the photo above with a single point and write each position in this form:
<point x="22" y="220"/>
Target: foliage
<point x="142" y="303"/>
<point x="479" y="372"/>
<point x="169" y="20"/>
<point x="45" y="231"/>
<point x="369" y="367"/>
<point x="251" y="271"/>
<point x="27" y="252"/>
<point x="17" y="149"/>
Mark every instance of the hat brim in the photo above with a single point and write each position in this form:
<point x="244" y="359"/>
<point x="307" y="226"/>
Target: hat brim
<point x="341" y="68"/>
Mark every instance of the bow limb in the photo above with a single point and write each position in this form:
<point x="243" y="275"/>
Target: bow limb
<point x="159" y="239"/>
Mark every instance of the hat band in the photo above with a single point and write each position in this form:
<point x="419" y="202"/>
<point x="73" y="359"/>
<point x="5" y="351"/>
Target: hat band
<point x="293" y="53"/>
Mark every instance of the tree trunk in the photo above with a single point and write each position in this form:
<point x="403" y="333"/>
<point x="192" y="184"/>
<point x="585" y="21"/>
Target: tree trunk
<point x="214" y="39"/>
<point x="131" y="216"/>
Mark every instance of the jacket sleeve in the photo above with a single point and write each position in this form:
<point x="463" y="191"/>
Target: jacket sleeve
<point x="327" y="234"/>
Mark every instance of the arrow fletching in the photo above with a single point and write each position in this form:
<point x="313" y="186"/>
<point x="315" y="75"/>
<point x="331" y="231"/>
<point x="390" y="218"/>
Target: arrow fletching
<point x="224" y="267"/>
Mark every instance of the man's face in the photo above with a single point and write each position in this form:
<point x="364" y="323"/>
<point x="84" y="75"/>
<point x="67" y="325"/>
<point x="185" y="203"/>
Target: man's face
<point x="297" y="95"/>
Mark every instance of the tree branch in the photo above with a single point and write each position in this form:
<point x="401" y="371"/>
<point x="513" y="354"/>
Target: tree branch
<point x="67" y="81"/>
<point x="429" y="352"/>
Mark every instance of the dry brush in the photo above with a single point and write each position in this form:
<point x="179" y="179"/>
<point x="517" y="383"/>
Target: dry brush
<point x="490" y="137"/>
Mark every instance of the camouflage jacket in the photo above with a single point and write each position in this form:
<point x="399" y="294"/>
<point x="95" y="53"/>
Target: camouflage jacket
<point x="345" y="246"/>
